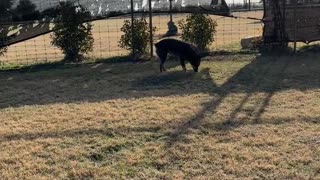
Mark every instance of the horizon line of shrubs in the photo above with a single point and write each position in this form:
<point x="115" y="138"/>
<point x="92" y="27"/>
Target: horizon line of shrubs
<point x="72" y="32"/>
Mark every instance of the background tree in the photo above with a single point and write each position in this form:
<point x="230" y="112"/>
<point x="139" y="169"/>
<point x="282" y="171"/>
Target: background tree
<point x="50" y="13"/>
<point x="198" y="29"/>
<point x="26" y="11"/>
<point x="5" y="7"/>
<point x="72" y="31"/>
<point x="138" y="44"/>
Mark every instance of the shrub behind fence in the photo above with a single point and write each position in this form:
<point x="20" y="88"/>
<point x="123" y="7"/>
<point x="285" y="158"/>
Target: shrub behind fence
<point x="107" y="33"/>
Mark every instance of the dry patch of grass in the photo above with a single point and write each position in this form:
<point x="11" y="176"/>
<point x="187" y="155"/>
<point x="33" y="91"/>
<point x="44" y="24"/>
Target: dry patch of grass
<point x="242" y="117"/>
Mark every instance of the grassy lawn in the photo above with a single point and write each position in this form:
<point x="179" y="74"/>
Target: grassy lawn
<point x="242" y="116"/>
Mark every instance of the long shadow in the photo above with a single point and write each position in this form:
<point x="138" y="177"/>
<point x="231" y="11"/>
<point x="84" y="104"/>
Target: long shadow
<point x="57" y="83"/>
<point x="101" y="81"/>
<point x="261" y="76"/>
<point x="231" y="85"/>
<point x="274" y="84"/>
<point x="104" y="81"/>
<point x="71" y="133"/>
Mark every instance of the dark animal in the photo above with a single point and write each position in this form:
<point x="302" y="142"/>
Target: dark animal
<point x="183" y="50"/>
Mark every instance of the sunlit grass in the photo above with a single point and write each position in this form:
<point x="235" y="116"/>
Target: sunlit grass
<point x="241" y="116"/>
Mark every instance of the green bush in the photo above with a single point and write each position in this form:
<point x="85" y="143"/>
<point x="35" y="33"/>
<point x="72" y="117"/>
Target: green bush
<point x="72" y="33"/>
<point x="138" y="44"/>
<point x="198" y="29"/>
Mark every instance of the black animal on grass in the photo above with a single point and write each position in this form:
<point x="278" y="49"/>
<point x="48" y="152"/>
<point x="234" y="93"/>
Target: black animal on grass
<point x="183" y="50"/>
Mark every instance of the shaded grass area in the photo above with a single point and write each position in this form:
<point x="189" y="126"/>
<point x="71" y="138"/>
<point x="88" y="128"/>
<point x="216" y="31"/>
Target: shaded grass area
<point x="61" y="64"/>
<point x="241" y="116"/>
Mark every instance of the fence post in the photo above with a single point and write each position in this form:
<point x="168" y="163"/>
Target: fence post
<point x="151" y="29"/>
<point x="295" y="25"/>
<point x="171" y="19"/>
<point x="132" y="29"/>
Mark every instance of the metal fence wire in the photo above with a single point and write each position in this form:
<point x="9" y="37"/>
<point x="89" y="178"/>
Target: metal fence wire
<point x="246" y="22"/>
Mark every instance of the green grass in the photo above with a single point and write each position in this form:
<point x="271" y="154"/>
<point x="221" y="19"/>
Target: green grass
<point x="240" y="117"/>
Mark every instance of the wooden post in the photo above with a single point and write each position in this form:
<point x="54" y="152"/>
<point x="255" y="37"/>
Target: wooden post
<point x="284" y="21"/>
<point x="171" y="11"/>
<point x="132" y="29"/>
<point x="151" y="29"/>
<point x="284" y="13"/>
<point x="295" y="25"/>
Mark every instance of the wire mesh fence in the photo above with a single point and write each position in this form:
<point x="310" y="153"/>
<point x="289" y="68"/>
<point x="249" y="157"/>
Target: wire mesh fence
<point x="106" y="33"/>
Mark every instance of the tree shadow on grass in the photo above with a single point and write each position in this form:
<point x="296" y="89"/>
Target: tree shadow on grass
<point x="266" y="76"/>
<point x="104" y="81"/>
<point x="71" y="133"/>
<point x="96" y="82"/>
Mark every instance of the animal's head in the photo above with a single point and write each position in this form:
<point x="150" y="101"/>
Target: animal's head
<point x="195" y="64"/>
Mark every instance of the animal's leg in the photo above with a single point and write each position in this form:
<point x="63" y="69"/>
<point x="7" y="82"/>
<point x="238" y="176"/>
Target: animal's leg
<point x="162" y="68"/>
<point x="182" y="62"/>
<point x="162" y="54"/>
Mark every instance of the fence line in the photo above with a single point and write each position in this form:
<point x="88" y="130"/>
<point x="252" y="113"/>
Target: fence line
<point x="107" y="33"/>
